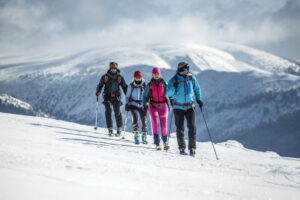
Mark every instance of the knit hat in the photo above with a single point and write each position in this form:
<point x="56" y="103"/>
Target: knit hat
<point x="138" y="74"/>
<point x="113" y="65"/>
<point x="182" y="65"/>
<point x="155" y="70"/>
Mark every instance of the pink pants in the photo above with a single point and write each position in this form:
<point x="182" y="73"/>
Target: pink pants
<point x="159" y="114"/>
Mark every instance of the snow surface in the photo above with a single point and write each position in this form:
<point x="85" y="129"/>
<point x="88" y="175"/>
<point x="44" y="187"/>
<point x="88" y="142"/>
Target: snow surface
<point x="43" y="158"/>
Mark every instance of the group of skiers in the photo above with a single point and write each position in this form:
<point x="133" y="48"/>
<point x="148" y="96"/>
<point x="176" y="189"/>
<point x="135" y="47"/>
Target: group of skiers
<point x="181" y="93"/>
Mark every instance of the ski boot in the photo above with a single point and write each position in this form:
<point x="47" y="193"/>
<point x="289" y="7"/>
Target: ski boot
<point x="182" y="151"/>
<point x="166" y="146"/>
<point x="159" y="148"/>
<point x="144" y="136"/>
<point x="110" y="132"/>
<point x="119" y="131"/>
<point x="136" y="135"/>
<point x="192" y="152"/>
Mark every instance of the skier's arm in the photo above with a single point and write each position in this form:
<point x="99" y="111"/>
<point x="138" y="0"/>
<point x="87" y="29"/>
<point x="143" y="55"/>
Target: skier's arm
<point x="170" y="88"/>
<point x="124" y="85"/>
<point x="196" y="88"/>
<point x="100" y="85"/>
<point x="128" y="95"/>
<point x="146" y="95"/>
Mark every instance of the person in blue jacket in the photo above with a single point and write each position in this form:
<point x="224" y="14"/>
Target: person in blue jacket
<point x="184" y="91"/>
<point x="134" y="104"/>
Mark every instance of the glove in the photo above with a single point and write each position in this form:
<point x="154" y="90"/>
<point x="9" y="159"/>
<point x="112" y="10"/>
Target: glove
<point x="175" y="84"/>
<point x="127" y="107"/>
<point x="171" y="101"/>
<point x="145" y="107"/>
<point x="98" y="93"/>
<point x="200" y="103"/>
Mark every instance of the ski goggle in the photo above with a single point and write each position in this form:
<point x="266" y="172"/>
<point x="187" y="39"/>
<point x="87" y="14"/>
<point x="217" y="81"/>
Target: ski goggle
<point x="185" y="68"/>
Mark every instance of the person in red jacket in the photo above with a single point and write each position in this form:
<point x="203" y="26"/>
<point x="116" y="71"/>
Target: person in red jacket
<point x="155" y="96"/>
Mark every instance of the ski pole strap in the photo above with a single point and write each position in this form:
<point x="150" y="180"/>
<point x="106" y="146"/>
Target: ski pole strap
<point x="184" y="104"/>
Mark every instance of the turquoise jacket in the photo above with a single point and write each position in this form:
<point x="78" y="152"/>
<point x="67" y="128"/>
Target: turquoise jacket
<point x="186" y="93"/>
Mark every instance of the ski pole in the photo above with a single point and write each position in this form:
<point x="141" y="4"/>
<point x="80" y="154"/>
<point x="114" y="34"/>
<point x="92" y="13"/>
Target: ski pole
<point x="170" y="126"/>
<point x="125" y="125"/>
<point x="97" y="105"/>
<point x="209" y="135"/>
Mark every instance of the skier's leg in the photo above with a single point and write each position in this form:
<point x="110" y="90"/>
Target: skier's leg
<point x="143" y="117"/>
<point x="135" y="125"/>
<point x="134" y="117"/>
<point x="143" y="114"/>
<point x="118" y="114"/>
<point x="179" y="122"/>
<point x="108" y="111"/>
<point x="190" y="118"/>
<point x="154" y="122"/>
<point x="163" y="115"/>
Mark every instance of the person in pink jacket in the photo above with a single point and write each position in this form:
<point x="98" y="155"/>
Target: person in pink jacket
<point x="155" y="97"/>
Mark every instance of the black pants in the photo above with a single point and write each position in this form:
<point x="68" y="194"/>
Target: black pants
<point x="135" y="111"/>
<point x="179" y="121"/>
<point x="116" y="104"/>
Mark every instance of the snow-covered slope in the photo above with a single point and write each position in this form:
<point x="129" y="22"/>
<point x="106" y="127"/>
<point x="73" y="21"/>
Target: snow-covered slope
<point x="48" y="159"/>
<point x="246" y="92"/>
<point x="10" y="104"/>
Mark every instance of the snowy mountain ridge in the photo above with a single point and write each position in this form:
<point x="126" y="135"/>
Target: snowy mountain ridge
<point x="52" y="159"/>
<point x="10" y="104"/>
<point x="247" y="92"/>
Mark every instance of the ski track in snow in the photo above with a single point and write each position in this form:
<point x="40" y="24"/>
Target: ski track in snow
<point x="44" y="158"/>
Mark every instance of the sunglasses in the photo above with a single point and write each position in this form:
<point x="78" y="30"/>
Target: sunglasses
<point x="185" y="68"/>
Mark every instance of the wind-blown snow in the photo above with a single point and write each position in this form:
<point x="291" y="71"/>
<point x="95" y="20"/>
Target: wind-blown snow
<point x="44" y="158"/>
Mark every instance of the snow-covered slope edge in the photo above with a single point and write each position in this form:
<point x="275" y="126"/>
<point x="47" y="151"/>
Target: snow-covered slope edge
<point x="50" y="159"/>
<point x="10" y="104"/>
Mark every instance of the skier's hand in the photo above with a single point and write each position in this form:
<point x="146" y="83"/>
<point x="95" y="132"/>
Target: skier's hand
<point x="145" y="107"/>
<point x="200" y="103"/>
<point x="98" y="93"/>
<point x="171" y="101"/>
<point x="127" y="107"/>
<point x="175" y="84"/>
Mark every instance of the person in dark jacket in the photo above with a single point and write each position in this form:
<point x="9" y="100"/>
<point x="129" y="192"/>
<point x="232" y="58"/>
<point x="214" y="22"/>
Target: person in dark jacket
<point x="112" y="81"/>
<point x="134" y="104"/>
<point x="183" y="91"/>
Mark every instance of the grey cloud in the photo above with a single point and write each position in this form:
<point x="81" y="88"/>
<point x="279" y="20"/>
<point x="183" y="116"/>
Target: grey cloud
<point x="37" y="23"/>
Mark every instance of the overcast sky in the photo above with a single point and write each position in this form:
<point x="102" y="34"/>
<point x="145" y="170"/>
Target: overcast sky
<point x="272" y="25"/>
